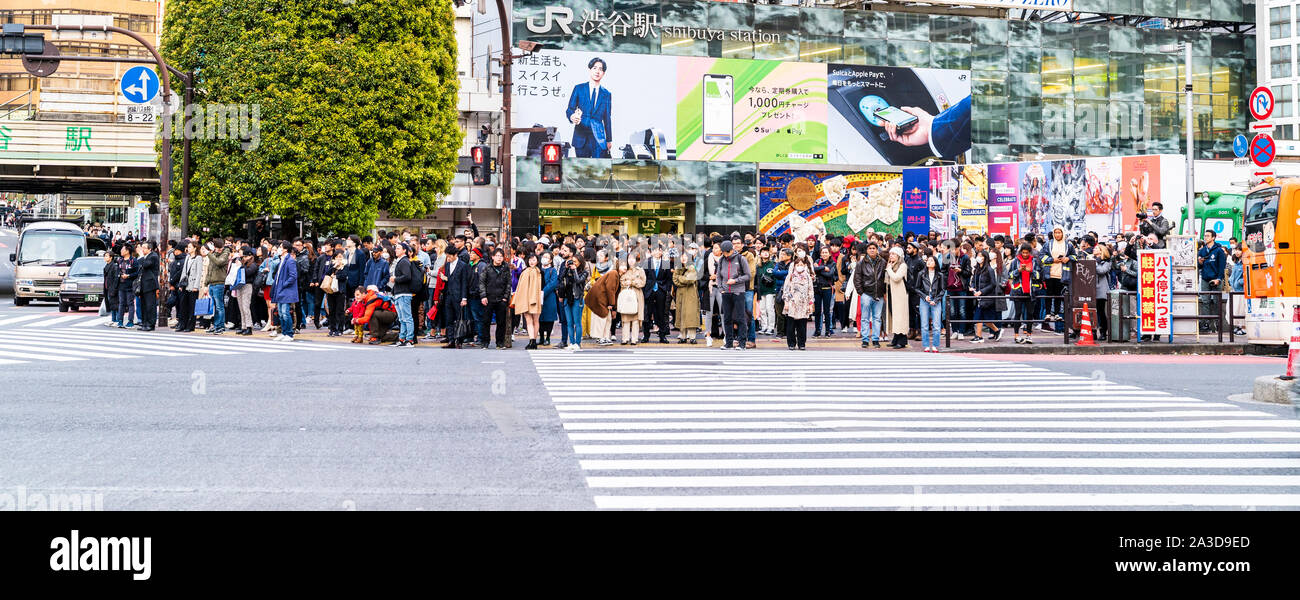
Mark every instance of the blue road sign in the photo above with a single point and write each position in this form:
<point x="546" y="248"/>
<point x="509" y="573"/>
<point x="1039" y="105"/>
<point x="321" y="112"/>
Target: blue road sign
<point x="1262" y="150"/>
<point x="139" y="85"/>
<point x="1240" y="145"/>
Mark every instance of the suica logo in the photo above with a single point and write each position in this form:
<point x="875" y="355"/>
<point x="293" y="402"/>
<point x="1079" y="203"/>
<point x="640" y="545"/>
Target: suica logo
<point x="74" y="553"/>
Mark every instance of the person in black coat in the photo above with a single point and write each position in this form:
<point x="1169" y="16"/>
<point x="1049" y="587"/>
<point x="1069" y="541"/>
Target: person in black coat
<point x="126" y="275"/>
<point x="149" y="272"/>
<point x="455" y="275"/>
<point x="658" y="289"/>
<point x="111" y="274"/>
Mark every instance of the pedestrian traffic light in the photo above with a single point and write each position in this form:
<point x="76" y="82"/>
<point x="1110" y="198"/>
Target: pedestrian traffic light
<point x="480" y="171"/>
<point x="552" y="168"/>
<point x="15" y="41"/>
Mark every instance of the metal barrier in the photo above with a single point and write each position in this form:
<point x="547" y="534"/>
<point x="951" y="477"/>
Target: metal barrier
<point x="1218" y="317"/>
<point x="947" y="309"/>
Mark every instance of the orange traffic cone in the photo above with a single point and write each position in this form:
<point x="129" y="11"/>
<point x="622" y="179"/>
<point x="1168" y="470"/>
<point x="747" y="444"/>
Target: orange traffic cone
<point x="1085" y="329"/>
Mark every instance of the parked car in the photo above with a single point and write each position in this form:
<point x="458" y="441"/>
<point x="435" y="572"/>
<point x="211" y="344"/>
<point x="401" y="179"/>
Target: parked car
<point x="84" y="284"/>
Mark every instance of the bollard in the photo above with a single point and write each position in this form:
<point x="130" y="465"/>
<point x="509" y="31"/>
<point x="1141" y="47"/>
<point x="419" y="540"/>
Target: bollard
<point x="1293" y="348"/>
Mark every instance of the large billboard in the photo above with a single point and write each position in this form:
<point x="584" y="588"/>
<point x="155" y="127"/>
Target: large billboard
<point x="1101" y="195"/>
<point x="898" y="115"/>
<point x="806" y="203"/>
<point x="638" y="106"/>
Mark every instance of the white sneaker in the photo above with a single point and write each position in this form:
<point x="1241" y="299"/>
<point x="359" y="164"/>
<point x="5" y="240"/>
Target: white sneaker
<point x="958" y="336"/>
<point x="708" y="341"/>
<point x="277" y="338"/>
<point x="286" y="338"/>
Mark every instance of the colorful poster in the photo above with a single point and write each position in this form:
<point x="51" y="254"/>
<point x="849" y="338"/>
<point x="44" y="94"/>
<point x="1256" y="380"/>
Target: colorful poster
<point x="598" y="102"/>
<point x="1139" y="187"/>
<point x="943" y="200"/>
<point x="808" y="203"/>
<point x="1068" y="205"/>
<point x="972" y="201"/>
<point x="1155" y="292"/>
<point x="897" y="115"/>
<point x="916" y="201"/>
<point x="1035" y="184"/>
<point x="1004" y="200"/>
<point x="1105" y="213"/>
<point x="750" y="110"/>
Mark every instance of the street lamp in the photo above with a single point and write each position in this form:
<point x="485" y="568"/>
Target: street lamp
<point x="1187" y="92"/>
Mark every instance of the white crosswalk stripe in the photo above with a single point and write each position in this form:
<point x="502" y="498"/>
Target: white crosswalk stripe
<point x="23" y="345"/>
<point x="50" y="320"/>
<point x="662" y="429"/>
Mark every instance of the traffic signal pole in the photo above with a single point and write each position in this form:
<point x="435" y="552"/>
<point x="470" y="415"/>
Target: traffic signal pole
<point x="165" y="161"/>
<point x="507" y="132"/>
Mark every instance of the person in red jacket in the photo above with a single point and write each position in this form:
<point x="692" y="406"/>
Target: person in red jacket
<point x="358" y="309"/>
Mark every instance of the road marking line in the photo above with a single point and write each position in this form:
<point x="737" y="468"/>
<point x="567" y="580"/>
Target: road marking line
<point x="942" y="479"/>
<point x="985" y="424"/>
<point x="845" y="414"/>
<point x="12" y="320"/>
<point x="928" y="447"/>
<point x="1071" y="462"/>
<point x="622" y="436"/>
<point x="973" y="501"/>
<point x="56" y="321"/>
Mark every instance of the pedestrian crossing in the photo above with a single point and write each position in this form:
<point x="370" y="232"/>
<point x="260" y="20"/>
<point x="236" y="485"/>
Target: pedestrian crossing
<point x="664" y="429"/>
<point x="53" y="319"/>
<point x="33" y="345"/>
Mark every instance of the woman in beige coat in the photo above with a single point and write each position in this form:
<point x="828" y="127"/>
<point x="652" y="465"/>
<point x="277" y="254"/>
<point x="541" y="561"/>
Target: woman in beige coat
<point x="528" y="298"/>
<point x="896" y="280"/>
<point x="687" y="298"/>
<point x="631" y="278"/>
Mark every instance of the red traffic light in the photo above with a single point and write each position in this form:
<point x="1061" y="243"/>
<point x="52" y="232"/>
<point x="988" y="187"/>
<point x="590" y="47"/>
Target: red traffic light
<point x="479" y="170"/>
<point x="478" y="154"/>
<point x="551" y="153"/>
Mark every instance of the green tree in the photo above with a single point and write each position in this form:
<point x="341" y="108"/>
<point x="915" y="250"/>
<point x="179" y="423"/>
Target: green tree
<point x="357" y="102"/>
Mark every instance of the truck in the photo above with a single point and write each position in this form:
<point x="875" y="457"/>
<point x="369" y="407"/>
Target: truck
<point x="1220" y="212"/>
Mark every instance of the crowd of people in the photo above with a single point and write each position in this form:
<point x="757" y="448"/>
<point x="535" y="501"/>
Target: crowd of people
<point x="474" y="291"/>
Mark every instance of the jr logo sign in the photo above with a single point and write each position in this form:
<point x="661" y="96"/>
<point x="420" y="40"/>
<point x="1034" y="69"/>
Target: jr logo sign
<point x="555" y="15"/>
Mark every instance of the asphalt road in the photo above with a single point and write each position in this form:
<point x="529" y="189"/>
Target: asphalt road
<point x="231" y="423"/>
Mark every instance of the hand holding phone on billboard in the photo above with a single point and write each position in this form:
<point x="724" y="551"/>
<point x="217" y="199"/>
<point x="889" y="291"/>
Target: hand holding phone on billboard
<point x="718" y="109"/>
<point x="912" y="132"/>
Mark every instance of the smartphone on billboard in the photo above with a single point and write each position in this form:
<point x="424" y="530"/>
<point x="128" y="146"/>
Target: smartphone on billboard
<point x="718" y="109"/>
<point x="900" y="119"/>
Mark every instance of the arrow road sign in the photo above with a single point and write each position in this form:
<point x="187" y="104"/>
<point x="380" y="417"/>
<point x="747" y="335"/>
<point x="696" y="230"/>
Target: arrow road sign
<point x="1261" y="103"/>
<point x="1262" y="150"/>
<point x="139" y="85"/>
<point x="1240" y="145"/>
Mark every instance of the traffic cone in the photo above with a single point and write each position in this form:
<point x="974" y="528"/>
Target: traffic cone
<point x="1085" y="329"/>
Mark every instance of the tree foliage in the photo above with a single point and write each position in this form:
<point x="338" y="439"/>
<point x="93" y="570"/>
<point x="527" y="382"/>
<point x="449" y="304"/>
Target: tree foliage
<point x="357" y="101"/>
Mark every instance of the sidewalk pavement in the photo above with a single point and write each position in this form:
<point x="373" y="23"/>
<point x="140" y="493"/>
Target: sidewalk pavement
<point x="1045" y="342"/>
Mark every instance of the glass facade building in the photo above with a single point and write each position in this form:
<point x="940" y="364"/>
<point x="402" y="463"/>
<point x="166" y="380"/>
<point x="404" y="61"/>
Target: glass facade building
<point x="1037" y="87"/>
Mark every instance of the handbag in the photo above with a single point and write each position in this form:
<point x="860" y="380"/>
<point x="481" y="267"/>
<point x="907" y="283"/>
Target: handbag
<point x="328" y="284"/>
<point x="464" y="329"/>
<point x="260" y="281"/>
<point x="627" y="303"/>
<point x="103" y="308"/>
<point x="203" y="307"/>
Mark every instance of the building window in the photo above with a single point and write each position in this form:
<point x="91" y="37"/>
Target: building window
<point x="1279" y="22"/>
<point x="1282" y="100"/>
<point x="1284" y="132"/>
<point x="1279" y="58"/>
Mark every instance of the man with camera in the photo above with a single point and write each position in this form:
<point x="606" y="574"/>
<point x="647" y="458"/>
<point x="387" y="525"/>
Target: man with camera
<point x="1154" y="224"/>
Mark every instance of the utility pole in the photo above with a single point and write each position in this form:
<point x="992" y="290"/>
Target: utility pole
<point x="508" y="132"/>
<point x="165" y="161"/>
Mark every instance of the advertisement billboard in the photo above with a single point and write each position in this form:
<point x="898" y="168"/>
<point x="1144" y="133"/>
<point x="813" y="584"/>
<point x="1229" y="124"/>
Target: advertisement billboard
<point x="897" y="115"/>
<point x="837" y="203"/>
<point x="916" y="201"/>
<point x="972" y="200"/>
<point x="1035" y="184"/>
<point x="1105" y="213"/>
<point x="749" y="110"/>
<point x="656" y="107"/>
<point x="1139" y="187"/>
<point x="1067" y="197"/>
<point x="1004" y="200"/>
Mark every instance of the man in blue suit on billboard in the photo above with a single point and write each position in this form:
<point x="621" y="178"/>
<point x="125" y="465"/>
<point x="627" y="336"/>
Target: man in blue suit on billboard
<point x="589" y="108"/>
<point x="947" y="134"/>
